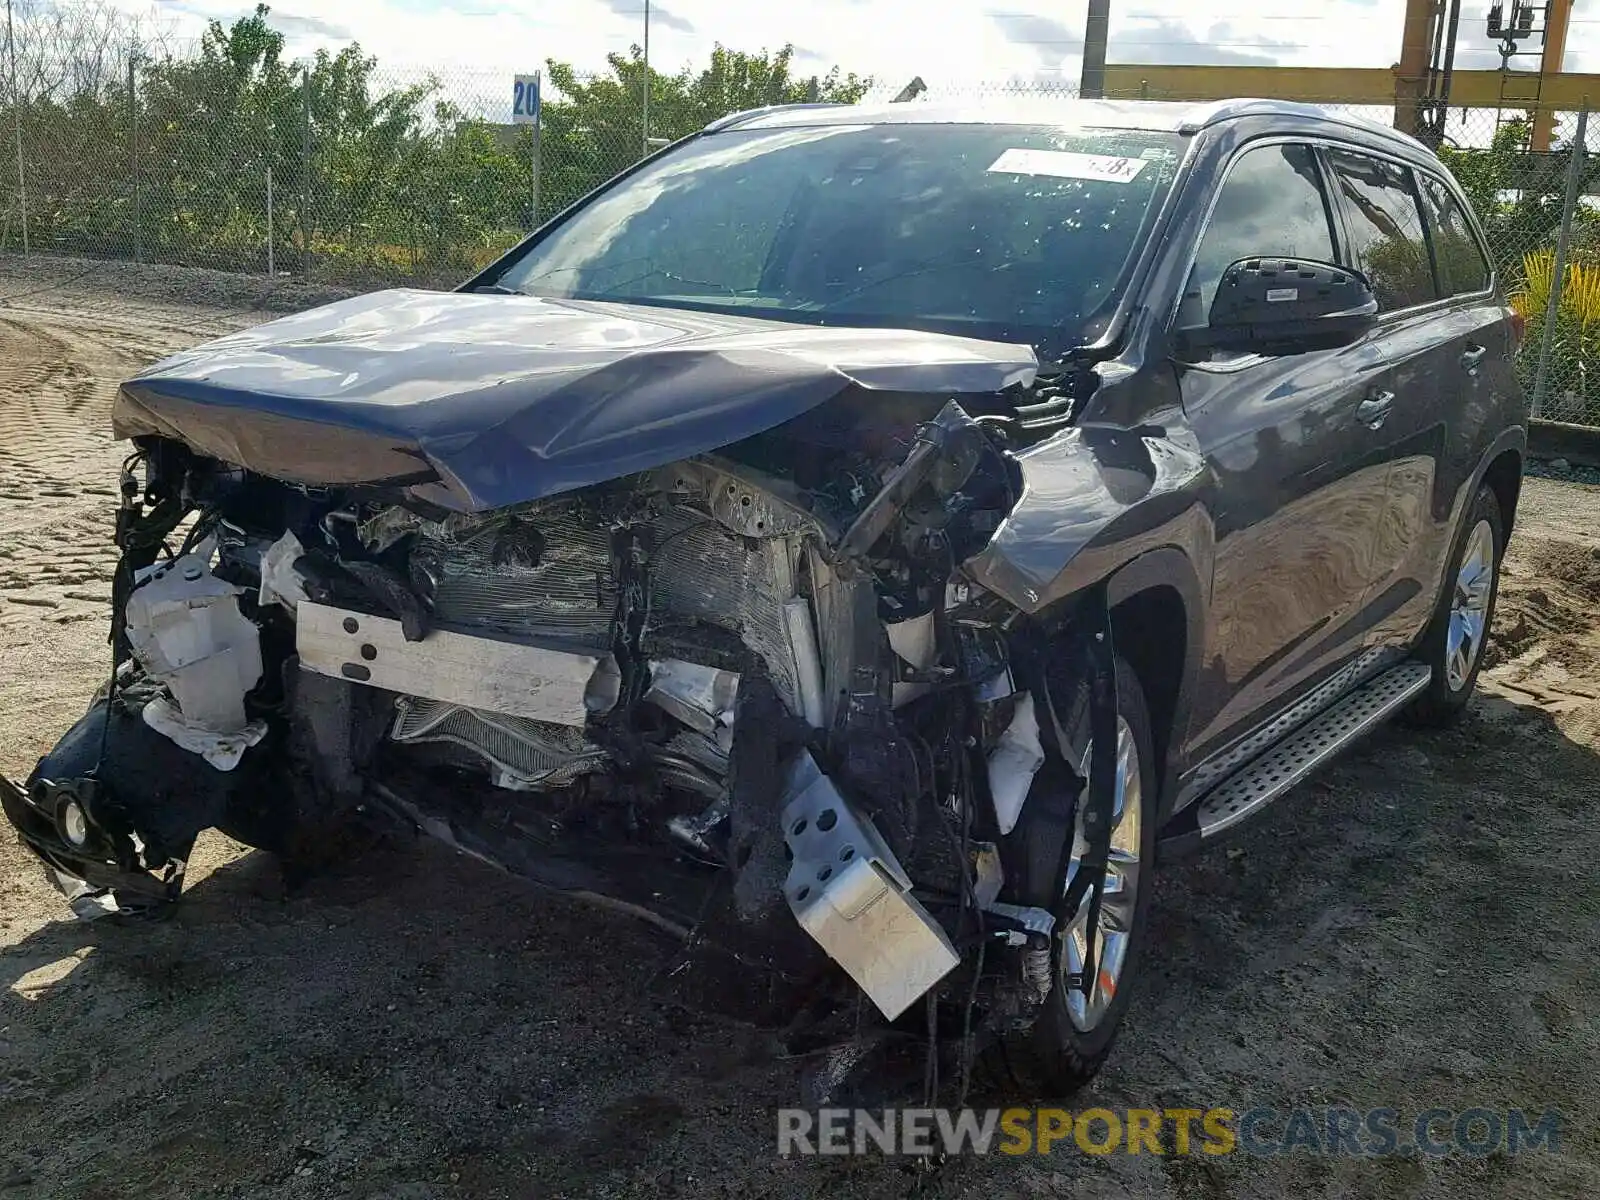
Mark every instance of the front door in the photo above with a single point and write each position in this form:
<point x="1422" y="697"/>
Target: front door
<point x="1298" y="490"/>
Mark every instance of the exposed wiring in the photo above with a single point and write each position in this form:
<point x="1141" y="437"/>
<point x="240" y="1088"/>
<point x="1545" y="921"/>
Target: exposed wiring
<point x="133" y="460"/>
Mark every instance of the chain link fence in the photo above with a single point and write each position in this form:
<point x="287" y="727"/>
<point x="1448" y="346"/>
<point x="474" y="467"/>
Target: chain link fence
<point x="343" y="171"/>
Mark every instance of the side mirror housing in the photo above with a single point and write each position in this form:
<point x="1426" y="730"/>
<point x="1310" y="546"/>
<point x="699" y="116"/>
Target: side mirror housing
<point x="1278" y="305"/>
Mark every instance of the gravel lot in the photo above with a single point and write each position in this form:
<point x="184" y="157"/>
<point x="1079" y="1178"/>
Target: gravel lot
<point x="1414" y="928"/>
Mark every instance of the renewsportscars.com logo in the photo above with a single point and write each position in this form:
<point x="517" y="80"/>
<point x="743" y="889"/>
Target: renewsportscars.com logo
<point x="1359" y="1133"/>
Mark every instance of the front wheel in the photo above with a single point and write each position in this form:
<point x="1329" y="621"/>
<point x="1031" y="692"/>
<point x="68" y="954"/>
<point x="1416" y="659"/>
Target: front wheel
<point x="1073" y="1035"/>
<point x="1453" y="645"/>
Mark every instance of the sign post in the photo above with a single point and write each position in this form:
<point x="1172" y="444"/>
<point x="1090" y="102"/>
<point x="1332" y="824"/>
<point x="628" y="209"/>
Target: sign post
<point x="525" y="111"/>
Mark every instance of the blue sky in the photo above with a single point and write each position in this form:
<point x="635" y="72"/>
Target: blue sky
<point x="948" y="40"/>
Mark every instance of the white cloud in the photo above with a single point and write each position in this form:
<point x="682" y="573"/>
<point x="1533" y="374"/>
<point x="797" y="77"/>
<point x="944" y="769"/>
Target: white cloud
<point x="477" y="44"/>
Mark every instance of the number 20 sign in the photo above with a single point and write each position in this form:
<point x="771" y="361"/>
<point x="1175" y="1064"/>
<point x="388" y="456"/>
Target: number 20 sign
<point x="525" y="100"/>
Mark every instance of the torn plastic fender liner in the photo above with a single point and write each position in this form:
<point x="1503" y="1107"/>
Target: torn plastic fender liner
<point x="484" y="401"/>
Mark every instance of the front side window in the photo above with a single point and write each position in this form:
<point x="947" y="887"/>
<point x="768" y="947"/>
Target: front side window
<point x="1271" y="206"/>
<point x="1019" y="233"/>
<point x="1385" y="228"/>
<point x="1456" y="253"/>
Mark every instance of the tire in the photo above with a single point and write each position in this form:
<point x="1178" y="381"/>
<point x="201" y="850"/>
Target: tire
<point x="1060" y="1054"/>
<point x="1462" y="595"/>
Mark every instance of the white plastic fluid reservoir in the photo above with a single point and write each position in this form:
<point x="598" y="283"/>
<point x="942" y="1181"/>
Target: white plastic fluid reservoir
<point x="186" y="629"/>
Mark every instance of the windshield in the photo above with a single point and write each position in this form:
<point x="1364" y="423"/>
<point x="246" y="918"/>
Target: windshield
<point x="1017" y="233"/>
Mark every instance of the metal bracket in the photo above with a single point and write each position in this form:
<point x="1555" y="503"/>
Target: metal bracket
<point x="850" y="893"/>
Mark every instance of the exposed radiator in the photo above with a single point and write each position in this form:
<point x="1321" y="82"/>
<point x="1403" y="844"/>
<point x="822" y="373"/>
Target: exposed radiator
<point x="704" y="572"/>
<point x="531" y="751"/>
<point x="547" y="575"/>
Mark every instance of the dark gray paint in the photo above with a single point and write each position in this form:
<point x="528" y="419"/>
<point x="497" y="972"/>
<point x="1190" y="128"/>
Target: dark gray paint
<point x="486" y="401"/>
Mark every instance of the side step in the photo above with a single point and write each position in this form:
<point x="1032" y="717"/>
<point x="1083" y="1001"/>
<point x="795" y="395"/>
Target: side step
<point x="1264" y="779"/>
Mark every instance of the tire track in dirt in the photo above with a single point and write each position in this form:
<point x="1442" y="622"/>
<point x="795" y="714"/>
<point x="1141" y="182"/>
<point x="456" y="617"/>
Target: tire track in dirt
<point x="58" y="496"/>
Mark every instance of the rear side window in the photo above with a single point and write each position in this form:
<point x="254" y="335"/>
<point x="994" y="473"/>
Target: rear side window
<point x="1271" y="206"/>
<point x="1457" y="256"/>
<point x="1384" y="225"/>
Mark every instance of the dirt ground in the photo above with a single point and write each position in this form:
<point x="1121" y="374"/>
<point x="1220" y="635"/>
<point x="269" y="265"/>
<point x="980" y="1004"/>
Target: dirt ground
<point x="1414" y="928"/>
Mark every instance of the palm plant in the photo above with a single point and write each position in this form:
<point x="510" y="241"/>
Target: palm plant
<point x="1575" y="348"/>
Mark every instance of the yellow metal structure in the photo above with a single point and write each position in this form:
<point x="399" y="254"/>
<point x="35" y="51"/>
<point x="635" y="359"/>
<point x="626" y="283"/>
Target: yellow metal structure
<point x="1401" y="85"/>
<point x="1555" y="51"/>
<point x="1325" y="85"/>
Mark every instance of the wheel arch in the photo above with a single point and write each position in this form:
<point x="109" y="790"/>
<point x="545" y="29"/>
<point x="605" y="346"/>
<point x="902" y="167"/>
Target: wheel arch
<point x="1158" y="625"/>
<point x="1503" y="476"/>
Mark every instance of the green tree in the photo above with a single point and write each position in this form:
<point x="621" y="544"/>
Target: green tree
<point x="1517" y="196"/>
<point x="371" y="182"/>
<point x="594" y="129"/>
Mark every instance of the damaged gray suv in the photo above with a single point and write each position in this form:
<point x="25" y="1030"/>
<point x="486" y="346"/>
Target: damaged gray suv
<point x="864" y="543"/>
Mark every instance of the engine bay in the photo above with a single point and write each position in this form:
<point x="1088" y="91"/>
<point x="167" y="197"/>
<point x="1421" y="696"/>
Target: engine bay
<point x="751" y="690"/>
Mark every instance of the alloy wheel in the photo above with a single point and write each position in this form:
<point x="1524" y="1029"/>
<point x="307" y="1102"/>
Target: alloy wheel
<point x="1119" y="896"/>
<point x="1469" y="606"/>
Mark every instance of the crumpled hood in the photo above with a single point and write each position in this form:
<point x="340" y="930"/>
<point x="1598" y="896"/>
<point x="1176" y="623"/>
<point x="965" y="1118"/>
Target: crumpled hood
<point x="482" y="401"/>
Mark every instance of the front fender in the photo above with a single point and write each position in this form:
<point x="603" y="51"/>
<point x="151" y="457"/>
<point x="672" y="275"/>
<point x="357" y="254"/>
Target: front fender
<point x="1095" y="498"/>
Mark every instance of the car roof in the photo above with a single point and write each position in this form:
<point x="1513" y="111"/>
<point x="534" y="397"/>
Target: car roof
<point x="1168" y="116"/>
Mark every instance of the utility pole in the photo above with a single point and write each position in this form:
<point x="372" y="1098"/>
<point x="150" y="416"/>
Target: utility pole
<point x="133" y="146"/>
<point x="644" y="124"/>
<point x="16" y="112"/>
<point x="1096" y="31"/>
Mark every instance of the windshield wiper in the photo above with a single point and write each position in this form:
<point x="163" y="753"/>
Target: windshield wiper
<point x="668" y="275"/>
<point x="617" y="266"/>
<point x="498" y="289"/>
<point x="926" y="269"/>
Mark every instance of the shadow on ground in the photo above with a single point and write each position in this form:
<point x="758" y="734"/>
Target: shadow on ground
<point x="1412" y="929"/>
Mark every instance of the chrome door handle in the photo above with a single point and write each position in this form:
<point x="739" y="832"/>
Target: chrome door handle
<point x="1472" y="356"/>
<point x="1374" y="410"/>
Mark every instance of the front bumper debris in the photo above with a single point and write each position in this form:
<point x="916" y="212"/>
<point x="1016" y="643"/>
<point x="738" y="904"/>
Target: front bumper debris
<point x="849" y="892"/>
<point x="96" y="870"/>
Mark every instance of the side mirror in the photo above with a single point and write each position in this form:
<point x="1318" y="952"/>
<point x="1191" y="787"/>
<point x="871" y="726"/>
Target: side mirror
<point x="1273" y="305"/>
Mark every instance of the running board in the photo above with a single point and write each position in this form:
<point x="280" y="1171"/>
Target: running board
<point x="1264" y="779"/>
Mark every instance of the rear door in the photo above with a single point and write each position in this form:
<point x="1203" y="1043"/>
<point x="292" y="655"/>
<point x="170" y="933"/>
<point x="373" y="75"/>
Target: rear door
<point x="1406" y="230"/>
<point x="1435" y="459"/>
<point x="1298" y="489"/>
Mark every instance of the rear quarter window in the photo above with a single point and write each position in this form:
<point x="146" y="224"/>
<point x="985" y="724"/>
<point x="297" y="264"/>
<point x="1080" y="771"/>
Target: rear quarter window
<point x="1459" y="258"/>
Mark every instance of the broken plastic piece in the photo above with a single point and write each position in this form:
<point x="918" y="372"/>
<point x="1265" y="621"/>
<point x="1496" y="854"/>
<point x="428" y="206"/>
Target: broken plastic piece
<point x="701" y="697"/>
<point x="185" y="626"/>
<point x="1014" y="763"/>
<point x="914" y="644"/>
<point x="222" y="750"/>
<point x="850" y="893"/>
<point x="988" y="875"/>
<point x="695" y="831"/>
<point x="88" y="903"/>
<point x="280" y="582"/>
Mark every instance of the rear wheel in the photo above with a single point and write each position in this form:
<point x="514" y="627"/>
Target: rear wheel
<point x="1074" y="1033"/>
<point x="1453" y="645"/>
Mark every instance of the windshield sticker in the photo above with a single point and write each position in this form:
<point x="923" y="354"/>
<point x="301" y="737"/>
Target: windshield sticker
<point x="1064" y="164"/>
